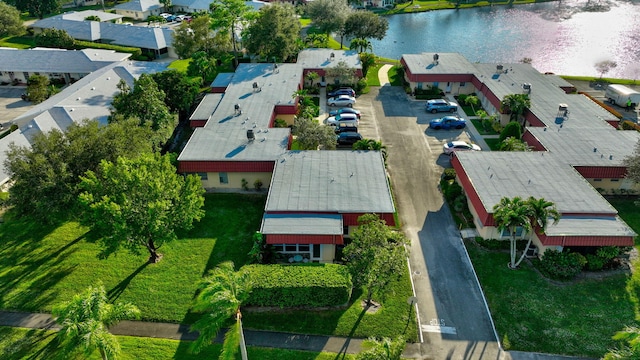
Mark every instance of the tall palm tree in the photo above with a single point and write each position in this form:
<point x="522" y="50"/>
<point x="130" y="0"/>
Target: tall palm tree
<point x="509" y="214"/>
<point x="85" y="322"/>
<point x="312" y="76"/>
<point x="222" y="293"/>
<point x="472" y="101"/>
<point x="371" y="144"/>
<point x="361" y="44"/>
<point x="540" y="211"/>
<point x="516" y="103"/>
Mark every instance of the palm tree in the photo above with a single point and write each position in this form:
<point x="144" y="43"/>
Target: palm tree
<point x="513" y="144"/>
<point x="314" y="40"/>
<point x="85" y="322"/>
<point x="509" y="214"/>
<point x="222" y="293"/>
<point x="361" y="44"/>
<point x="472" y="101"/>
<point x="540" y="212"/>
<point x="312" y="76"/>
<point x="516" y="103"/>
<point x="385" y="349"/>
<point x="370" y="144"/>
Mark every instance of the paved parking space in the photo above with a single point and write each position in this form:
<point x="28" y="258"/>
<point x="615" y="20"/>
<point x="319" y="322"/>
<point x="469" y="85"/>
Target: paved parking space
<point x="11" y="105"/>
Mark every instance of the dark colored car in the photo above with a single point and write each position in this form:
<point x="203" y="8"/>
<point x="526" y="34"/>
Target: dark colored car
<point x="346" y="127"/>
<point x="448" y="122"/>
<point x="342" y="91"/>
<point x="348" y="138"/>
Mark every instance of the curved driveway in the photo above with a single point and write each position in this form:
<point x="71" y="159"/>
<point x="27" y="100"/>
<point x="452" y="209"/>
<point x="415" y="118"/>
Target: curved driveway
<point x="454" y="318"/>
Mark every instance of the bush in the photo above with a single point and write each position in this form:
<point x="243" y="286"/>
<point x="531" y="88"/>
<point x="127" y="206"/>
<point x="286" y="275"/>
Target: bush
<point x="451" y="191"/>
<point x="312" y="285"/>
<point x="257" y="184"/>
<point x="279" y="123"/>
<point x="125" y="49"/>
<point x="594" y="262"/>
<point x="449" y="174"/>
<point x="608" y="253"/>
<point x="493" y="244"/>
<point x="561" y="265"/>
<point x="512" y="129"/>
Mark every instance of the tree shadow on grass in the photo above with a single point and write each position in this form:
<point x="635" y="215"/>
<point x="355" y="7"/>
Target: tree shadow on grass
<point x="117" y="290"/>
<point x="23" y="348"/>
<point x="343" y="351"/>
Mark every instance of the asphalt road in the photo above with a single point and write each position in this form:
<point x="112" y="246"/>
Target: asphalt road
<point x="454" y="318"/>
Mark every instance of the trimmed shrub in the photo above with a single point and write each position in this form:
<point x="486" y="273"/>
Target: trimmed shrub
<point x="608" y="253"/>
<point x="306" y="285"/>
<point x="280" y="123"/>
<point x="594" y="262"/>
<point x="125" y="49"/>
<point x="452" y="191"/>
<point x="512" y="129"/>
<point x="449" y="174"/>
<point x="561" y="265"/>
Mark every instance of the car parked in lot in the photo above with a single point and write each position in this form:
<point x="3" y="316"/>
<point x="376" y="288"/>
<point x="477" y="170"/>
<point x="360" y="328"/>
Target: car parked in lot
<point x="342" y="91"/>
<point x="346" y="126"/>
<point x="342" y="100"/>
<point x="448" y="122"/>
<point x="453" y="146"/>
<point x="441" y="105"/>
<point x="340" y="118"/>
<point x="348" y="138"/>
<point x="346" y="110"/>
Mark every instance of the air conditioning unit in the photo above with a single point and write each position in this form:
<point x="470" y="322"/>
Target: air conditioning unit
<point x="527" y="88"/>
<point x="499" y="68"/>
<point x="532" y="251"/>
<point x="250" y="135"/>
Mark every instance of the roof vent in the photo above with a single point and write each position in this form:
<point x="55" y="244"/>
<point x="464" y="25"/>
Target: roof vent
<point x="527" y="88"/>
<point x="250" y="135"/>
<point x="436" y="57"/>
<point x="499" y="68"/>
<point x="93" y="88"/>
<point x="332" y="57"/>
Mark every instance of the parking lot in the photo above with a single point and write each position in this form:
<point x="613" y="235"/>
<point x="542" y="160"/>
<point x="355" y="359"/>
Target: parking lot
<point x="11" y="105"/>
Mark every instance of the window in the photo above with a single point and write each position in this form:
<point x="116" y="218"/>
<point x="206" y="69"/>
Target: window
<point x="316" y="250"/>
<point x="597" y="179"/>
<point x="203" y="176"/>
<point x="436" y="84"/>
<point x="419" y="85"/>
<point x="345" y="230"/>
<point x="224" y="178"/>
<point x="303" y="248"/>
<point x="462" y="83"/>
<point x="615" y="180"/>
<point x="519" y="231"/>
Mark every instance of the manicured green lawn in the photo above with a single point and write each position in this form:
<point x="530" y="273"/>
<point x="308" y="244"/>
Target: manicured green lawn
<point x="395" y="78"/>
<point x="18" y="343"/>
<point x="534" y="314"/>
<point x="628" y="211"/>
<point x="18" y="42"/>
<point x="493" y="143"/>
<point x="41" y="266"/>
<point x="372" y="75"/>
<point x="478" y="125"/>
<point x="180" y="65"/>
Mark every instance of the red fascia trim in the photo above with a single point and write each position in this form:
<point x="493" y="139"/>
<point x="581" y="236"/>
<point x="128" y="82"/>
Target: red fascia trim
<point x="225" y="166"/>
<point x="532" y="141"/>
<point x="585" y="240"/>
<point x="601" y="172"/>
<point x="218" y="89"/>
<point x="285" y="109"/>
<point x="304" y="239"/>
<point x="197" y="123"/>
<point x="471" y="192"/>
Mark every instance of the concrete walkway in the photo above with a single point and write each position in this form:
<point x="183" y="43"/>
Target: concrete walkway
<point x="271" y="339"/>
<point x="383" y="74"/>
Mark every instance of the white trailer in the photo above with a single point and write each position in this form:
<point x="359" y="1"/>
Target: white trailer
<point x="620" y="95"/>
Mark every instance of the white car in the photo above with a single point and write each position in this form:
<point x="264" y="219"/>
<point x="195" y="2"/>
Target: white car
<point x="342" y="118"/>
<point x="453" y="146"/>
<point x="342" y="100"/>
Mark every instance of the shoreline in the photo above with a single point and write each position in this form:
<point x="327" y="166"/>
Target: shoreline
<point x="424" y="6"/>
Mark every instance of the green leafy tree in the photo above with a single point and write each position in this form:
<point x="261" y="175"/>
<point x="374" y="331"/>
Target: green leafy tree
<point x="510" y="214"/>
<point x="274" y="33"/>
<point x="197" y="35"/>
<point x="311" y="77"/>
<point x="364" y="24"/>
<point x="310" y="135"/>
<point x="167" y="4"/>
<point x="629" y="348"/>
<point x="85" y="322"/>
<point x="632" y="162"/>
<point x="38" y="8"/>
<point x="202" y="66"/>
<point x="376" y="255"/>
<point x="315" y="40"/>
<point x="367" y="60"/>
<point x="147" y="104"/>
<point x="45" y="176"/>
<point x="515" y="104"/>
<point x="342" y="72"/>
<point x="113" y="197"/>
<point x="92" y="18"/>
<point x="222" y="293"/>
<point x="10" y="21"/>
<point x="328" y="15"/>
<point x="38" y="88"/>
<point x="54" y="38"/>
<point x="540" y="211"/>
<point x="513" y="144"/>
<point x="228" y="16"/>
<point x="385" y="349"/>
<point x="180" y="90"/>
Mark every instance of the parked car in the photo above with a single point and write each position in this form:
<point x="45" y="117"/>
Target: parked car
<point x="348" y="138"/>
<point x="340" y="118"/>
<point x="441" y="105"/>
<point x="345" y="111"/>
<point x="171" y="18"/>
<point x="453" y="146"/>
<point x="448" y="122"/>
<point x="346" y="126"/>
<point x="342" y="100"/>
<point x="342" y="91"/>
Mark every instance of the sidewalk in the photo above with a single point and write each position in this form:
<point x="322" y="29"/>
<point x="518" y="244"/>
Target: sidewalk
<point x="317" y="343"/>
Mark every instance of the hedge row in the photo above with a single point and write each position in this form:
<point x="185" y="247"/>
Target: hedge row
<point x="309" y="285"/>
<point x="125" y="49"/>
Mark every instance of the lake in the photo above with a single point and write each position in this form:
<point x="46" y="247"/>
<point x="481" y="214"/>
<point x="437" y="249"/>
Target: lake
<point x="564" y="37"/>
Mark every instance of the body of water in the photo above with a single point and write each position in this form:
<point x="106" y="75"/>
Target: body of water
<point x="564" y="37"/>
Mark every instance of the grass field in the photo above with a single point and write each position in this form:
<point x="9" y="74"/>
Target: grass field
<point x="18" y="343"/>
<point x="18" y="42"/>
<point x="42" y="266"/>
